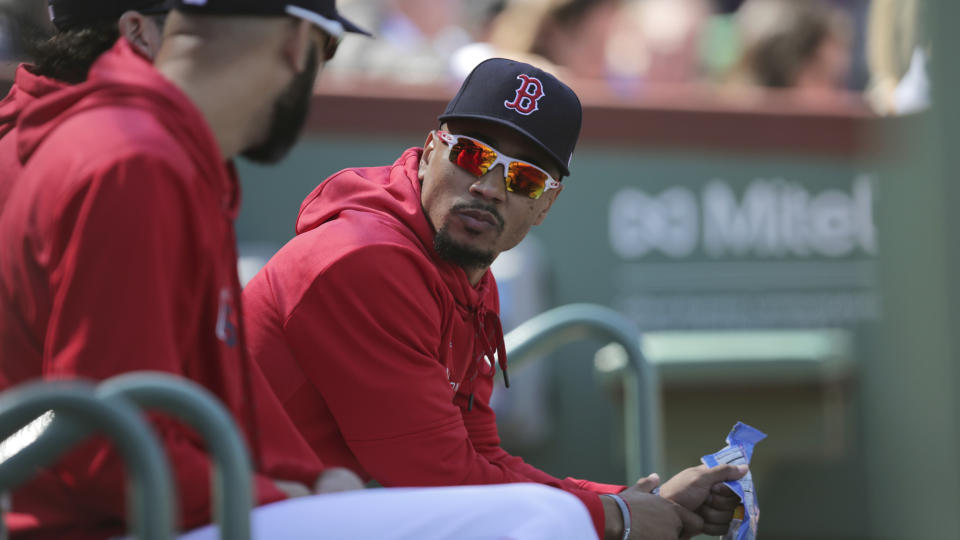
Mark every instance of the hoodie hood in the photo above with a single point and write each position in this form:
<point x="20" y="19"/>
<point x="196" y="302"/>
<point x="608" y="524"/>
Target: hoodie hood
<point x="391" y="196"/>
<point x="122" y="78"/>
<point x="27" y="88"/>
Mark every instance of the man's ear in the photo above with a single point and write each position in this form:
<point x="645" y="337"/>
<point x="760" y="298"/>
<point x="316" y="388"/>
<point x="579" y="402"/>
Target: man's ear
<point x="141" y="32"/>
<point x="551" y="196"/>
<point x="296" y="47"/>
<point x="429" y="147"/>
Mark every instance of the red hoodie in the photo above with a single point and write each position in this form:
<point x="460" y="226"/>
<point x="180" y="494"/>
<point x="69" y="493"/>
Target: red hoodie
<point x="378" y="348"/>
<point x="119" y="255"/>
<point x="27" y="88"/>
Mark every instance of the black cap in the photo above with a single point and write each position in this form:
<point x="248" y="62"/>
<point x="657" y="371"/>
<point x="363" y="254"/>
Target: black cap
<point x="524" y="98"/>
<point x="66" y="14"/>
<point x="322" y="13"/>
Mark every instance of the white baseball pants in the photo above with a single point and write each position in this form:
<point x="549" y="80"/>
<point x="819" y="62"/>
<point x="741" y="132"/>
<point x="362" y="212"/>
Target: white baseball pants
<point x="494" y="512"/>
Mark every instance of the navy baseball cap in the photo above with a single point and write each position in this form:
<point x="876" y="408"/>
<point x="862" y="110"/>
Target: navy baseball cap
<point x="526" y="99"/>
<point x="66" y="14"/>
<point x="322" y="13"/>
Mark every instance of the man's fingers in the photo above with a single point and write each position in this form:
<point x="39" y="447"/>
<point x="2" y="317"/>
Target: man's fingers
<point x="292" y="489"/>
<point x="724" y="473"/>
<point x="722" y="490"/>
<point x="712" y="516"/>
<point x="714" y="529"/>
<point x="691" y="523"/>
<point x="649" y="483"/>
<point x="336" y="479"/>
<point x="722" y="502"/>
<point x="722" y="498"/>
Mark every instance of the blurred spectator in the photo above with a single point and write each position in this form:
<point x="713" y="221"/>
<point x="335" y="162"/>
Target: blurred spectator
<point x="811" y="45"/>
<point x="658" y="41"/>
<point x="896" y="52"/>
<point x="479" y="16"/>
<point x="857" y="12"/>
<point x="630" y="47"/>
<point x="804" y="45"/>
<point x="571" y="34"/>
<point x="415" y="39"/>
<point x="727" y="6"/>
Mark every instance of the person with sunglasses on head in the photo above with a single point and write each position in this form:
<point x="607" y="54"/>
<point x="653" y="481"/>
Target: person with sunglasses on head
<point x="85" y="29"/>
<point x="378" y="326"/>
<point x="122" y="258"/>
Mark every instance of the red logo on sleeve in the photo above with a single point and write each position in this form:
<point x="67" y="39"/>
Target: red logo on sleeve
<point x="528" y="95"/>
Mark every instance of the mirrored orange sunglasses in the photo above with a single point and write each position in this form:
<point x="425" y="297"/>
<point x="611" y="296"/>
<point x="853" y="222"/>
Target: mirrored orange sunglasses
<point x="477" y="158"/>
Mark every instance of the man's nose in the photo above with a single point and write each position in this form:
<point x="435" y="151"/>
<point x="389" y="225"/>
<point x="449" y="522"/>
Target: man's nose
<point x="491" y="185"/>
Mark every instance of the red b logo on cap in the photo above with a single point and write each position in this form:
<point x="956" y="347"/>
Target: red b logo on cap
<point x="528" y="95"/>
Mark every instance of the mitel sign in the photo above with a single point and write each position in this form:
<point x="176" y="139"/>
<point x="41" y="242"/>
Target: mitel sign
<point x="774" y="218"/>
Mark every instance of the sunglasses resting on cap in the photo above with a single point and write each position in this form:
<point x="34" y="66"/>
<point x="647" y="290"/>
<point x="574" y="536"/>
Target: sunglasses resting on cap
<point x="477" y="158"/>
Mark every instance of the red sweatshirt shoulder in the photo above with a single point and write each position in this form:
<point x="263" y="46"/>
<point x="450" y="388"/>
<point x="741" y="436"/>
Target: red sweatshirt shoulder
<point x="353" y="240"/>
<point x="118" y="133"/>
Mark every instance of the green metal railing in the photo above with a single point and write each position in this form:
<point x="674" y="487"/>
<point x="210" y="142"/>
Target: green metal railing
<point x="558" y="327"/>
<point x="183" y="399"/>
<point x="149" y="487"/>
<point x="193" y="405"/>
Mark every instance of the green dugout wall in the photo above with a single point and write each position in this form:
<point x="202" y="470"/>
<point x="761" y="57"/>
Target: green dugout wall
<point x="789" y="266"/>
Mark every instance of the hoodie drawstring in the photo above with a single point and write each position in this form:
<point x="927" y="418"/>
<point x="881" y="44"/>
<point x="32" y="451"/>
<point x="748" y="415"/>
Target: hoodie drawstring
<point x="491" y="319"/>
<point x="487" y="322"/>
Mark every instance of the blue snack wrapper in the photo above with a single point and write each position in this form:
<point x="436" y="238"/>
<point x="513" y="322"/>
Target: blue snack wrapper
<point x="739" y="450"/>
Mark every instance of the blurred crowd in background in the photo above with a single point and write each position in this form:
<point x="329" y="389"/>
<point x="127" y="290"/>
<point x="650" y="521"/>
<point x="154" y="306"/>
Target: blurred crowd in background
<point x="820" y="50"/>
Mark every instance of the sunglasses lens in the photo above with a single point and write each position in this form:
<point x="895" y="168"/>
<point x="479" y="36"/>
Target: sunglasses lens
<point x="472" y="157"/>
<point x="526" y="180"/>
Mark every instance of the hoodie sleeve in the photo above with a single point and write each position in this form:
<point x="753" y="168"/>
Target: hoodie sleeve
<point x="376" y="364"/>
<point x="481" y="426"/>
<point x="120" y="288"/>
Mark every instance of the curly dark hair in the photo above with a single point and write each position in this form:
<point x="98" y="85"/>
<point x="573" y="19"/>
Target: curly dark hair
<point x="67" y="56"/>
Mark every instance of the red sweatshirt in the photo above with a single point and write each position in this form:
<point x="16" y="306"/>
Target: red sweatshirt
<point x="27" y="88"/>
<point x="375" y="345"/>
<point x="119" y="255"/>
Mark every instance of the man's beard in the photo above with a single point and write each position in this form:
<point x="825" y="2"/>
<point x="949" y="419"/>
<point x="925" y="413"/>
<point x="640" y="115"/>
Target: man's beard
<point x="289" y="115"/>
<point x="462" y="255"/>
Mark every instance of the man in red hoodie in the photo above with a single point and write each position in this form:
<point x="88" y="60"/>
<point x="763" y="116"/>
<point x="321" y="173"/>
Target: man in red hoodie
<point x="85" y="29"/>
<point x="119" y="255"/>
<point x="378" y="327"/>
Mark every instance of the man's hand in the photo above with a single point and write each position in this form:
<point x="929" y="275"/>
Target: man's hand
<point x="701" y="489"/>
<point x="337" y="479"/>
<point x="652" y="517"/>
<point x="291" y="489"/>
<point x="330" y="480"/>
<point x="717" y="511"/>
